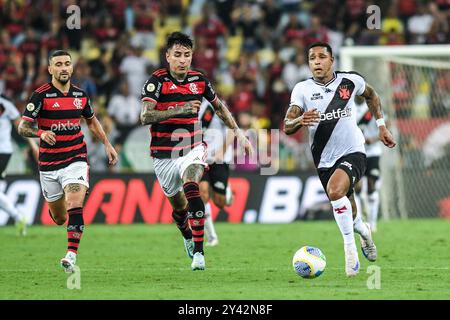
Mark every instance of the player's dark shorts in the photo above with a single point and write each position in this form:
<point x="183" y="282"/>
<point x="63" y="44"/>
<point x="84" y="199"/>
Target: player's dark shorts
<point x="217" y="176"/>
<point x="373" y="167"/>
<point x="4" y="159"/>
<point x="354" y="164"/>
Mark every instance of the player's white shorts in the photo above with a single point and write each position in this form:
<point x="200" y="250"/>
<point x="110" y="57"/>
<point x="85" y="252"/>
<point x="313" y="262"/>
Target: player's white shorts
<point x="170" y="171"/>
<point x="54" y="182"/>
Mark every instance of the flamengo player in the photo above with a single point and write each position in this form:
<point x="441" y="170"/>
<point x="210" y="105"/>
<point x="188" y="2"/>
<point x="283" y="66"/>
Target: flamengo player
<point x="325" y="104"/>
<point x="58" y="108"/>
<point x="171" y="100"/>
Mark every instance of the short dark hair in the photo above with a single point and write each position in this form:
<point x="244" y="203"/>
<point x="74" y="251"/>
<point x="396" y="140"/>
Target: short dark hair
<point x="320" y="44"/>
<point x="58" y="53"/>
<point x="179" y="38"/>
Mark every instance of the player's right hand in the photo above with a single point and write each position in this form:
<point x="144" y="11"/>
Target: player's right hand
<point x="310" y="117"/>
<point x="191" y="107"/>
<point x="49" y="137"/>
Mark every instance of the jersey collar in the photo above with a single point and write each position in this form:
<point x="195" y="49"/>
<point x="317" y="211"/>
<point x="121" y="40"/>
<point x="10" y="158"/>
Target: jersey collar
<point x="326" y="84"/>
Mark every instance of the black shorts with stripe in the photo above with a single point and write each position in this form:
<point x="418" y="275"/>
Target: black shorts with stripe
<point x="4" y="159"/>
<point x="354" y="164"/>
<point x="373" y="168"/>
<point x="217" y="176"/>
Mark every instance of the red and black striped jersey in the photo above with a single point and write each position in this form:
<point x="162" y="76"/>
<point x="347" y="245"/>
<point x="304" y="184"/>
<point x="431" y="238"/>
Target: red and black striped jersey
<point x="176" y="136"/>
<point x="60" y="113"/>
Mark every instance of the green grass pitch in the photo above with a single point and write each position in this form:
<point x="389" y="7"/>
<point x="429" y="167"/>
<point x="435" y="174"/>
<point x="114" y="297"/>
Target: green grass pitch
<point x="251" y="262"/>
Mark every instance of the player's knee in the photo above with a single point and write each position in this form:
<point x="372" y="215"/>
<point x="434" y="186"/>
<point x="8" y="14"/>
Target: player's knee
<point x="335" y="193"/>
<point x="60" y="220"/>
<point x="219" y="200"/>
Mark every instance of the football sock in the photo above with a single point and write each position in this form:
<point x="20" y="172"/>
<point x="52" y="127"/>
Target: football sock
<point x="8" y="207"/>
<point x="196" y="212"/>
<point x="75" y="229"/>
<point x="342" y="210"/>
<point x="181" y="219"/>
<point x="374" y="202"/>
<point x="359" y="226"/>
<point x="209" y="224"/>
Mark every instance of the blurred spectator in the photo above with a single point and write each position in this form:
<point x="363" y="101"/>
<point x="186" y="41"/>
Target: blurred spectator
<point x="134" y="67"/>
<point x="209" y="27"/>
<point x="205" y="58"/>
<point x="295" y="71"/>
<point x="419" y="25"/>
<point x="82" y="78"/>
<point x="124" y="109"/>
<point x="392" y="28"/>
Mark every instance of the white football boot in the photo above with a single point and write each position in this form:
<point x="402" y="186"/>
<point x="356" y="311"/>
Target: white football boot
<point x="189" y="247"/>
<point x="368" y="247"/>
<point x="351" y="260"/>
<point x="198" y="262"/>
<point x="69" y="261"/>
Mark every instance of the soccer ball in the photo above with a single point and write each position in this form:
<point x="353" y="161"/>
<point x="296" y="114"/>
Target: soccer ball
<point x="309" y="262"/>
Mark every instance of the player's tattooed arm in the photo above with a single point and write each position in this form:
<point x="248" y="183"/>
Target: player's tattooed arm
<point x="297" y="118"/>
<point x="223" y="113"/>
<point x="97" y="130"/>
<point x="292" y="119"/>
<point x="28" y="129"/>
<point x="374" y="104"/>
<point x="149" y="114"/>
<point x="373" y="101"/>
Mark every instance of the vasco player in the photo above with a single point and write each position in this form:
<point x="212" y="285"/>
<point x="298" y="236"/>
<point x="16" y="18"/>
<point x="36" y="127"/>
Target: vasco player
<point x="219" y="153"/>
<point x="58" y="107"/>
<point x="171" y="100"/>
<point x="325" y="104"/>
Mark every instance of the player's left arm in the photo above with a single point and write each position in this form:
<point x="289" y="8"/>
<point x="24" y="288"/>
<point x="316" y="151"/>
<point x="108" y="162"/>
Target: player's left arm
<point x="97" y="130"/>
<point x="225" y="115"/>
<point x="374" y="104"/>
<point x="33" y="145"/>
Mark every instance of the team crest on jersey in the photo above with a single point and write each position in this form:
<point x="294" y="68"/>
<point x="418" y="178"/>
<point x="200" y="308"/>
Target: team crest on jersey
<point x="78" y="103"/>
<point x="193" y="88"/>
<point x="344" y="92"/>
<point x="30" y="107"/>
<point x="151" y="87"/>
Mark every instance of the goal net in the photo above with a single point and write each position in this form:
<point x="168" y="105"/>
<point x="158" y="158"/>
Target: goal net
<point x="414" y="85"/>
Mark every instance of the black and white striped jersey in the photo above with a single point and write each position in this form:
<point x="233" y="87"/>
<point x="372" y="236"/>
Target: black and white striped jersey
<point x="337" y="134"/>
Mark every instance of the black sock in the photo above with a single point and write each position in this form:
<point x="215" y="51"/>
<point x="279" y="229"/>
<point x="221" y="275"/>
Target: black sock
<point x="181" y="219"/>
<point x="75" y="229"/>
<point x="196" y="211"/>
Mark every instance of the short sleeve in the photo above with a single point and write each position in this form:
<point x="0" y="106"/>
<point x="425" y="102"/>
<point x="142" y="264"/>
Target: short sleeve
<point x="297" y="97"/>
<point x="32" y="108"/>
<point x="11" y="111"/>
<point x="360" y="84"/>
<point x="209" y="93"/>
<point x="152" y="89"/>
<point x="88" y="111"/>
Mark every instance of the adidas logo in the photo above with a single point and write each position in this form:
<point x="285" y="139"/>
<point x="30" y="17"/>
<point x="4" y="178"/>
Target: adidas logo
<point x="81" y="178"/>
<point x="55" y="105"/>
<point x="173" y="87"/>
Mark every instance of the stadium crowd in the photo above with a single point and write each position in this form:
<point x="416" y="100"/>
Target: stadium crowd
<point x="249" y="50"/>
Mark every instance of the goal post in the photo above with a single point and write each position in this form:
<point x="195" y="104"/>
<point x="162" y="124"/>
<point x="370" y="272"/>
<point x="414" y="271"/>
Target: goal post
<point x="414" y="86"/>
